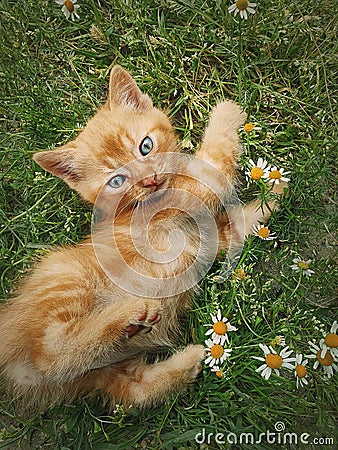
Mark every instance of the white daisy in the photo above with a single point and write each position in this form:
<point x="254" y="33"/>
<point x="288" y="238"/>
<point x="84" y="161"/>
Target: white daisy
<point x="79" y="127"/>
<point x="300" y="371"/>
<point x="272" y="361"/>
<point x="220" y="328"/>
<point x="69" y="8"/>
<point x="263" y="232"/>
<point x="327" y="362"/>
<point x="302" y="265"/>
<point x="216" y="354"/>
<point x="279" y="340"/>
<point x="248" y="127"/>
<point x="276" y="175"/>
<point x="242" y="7"/>
<point x="218" y="372"/>
<point x="330" y="342"/>
<point x="256" y="171"/>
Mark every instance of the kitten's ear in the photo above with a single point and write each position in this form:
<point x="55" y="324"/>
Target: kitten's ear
<point x="60" y="162"/>
<point x="123" y="91"/>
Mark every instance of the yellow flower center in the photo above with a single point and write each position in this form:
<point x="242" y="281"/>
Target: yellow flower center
<point x="300" y="371"/>
<point x="273" y="361"/>
<point x="216" y="351"/>
<point x="278" y="340"/>
<point x="263" y="232"/>
<point x="303" y="265"/>
<point x="256" y="173"/>
<point x="331" y="340"/>
<point x="242" y="4"/>
<point x="241" y="274"/>
<point x="220" y="328"/>
<point x="248" y="126"/>
<point x="275" y="175"/>
<point x="327" y="360"/>
<point x="219" y="374"/>
<point x="69" y="5"/>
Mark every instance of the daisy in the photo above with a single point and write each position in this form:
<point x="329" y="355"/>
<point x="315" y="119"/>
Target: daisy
<point x="327" y="362"/>
<point x="79" y="127"/>
<point x="239" y="275"/>
<point x="69" y="8"/>
<point x="218" y="372"/>
<point x="220" y="328"/>
<point x="256" y="171"/>
<point x="279" y="340"/>
<point x="302" y="265"/>
<point x="273" y="361"/>
<point x="276" y="175"/>
<point x="248" y="127"/>
<point x="263" y="232"/>
<point x="242" y="7"/>
<point x="300" y="371"/>
<point x="330" y="342"/>
<point x="216" y="354"/>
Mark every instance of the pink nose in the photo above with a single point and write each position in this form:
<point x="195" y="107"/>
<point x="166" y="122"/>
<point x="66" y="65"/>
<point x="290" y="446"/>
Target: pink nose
<point x="150" y="181"/>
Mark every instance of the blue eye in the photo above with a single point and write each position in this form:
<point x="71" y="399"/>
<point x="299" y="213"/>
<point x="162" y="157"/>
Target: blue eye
<point x="117" y="181"/>
<point x="146" y="146"/>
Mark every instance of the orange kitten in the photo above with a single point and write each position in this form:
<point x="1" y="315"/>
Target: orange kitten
<point x="87" y="316"/>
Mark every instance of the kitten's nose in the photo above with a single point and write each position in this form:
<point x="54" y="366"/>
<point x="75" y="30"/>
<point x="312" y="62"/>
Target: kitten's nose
<point x="150" y="181"/>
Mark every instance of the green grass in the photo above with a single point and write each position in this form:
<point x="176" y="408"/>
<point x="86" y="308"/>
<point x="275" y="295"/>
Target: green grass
<point x="280" y="65"/>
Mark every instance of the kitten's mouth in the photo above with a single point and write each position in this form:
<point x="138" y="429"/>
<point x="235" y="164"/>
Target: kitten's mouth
<point x="159" y="186"/>
<point x="151" y="189"/>
<point x="152" y="184"/>
<point x="156" y="190"/>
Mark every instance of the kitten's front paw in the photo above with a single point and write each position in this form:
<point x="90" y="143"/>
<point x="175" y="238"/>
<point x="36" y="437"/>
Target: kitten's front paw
<point x="144" y="321"/>
<point x="228" y="114"/>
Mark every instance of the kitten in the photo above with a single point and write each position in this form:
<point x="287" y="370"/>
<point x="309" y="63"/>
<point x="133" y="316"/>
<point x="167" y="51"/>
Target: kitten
<point x="86" y="317"/>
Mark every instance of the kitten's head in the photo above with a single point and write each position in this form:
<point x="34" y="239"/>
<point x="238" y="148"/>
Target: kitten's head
<point x="122" y="148"/>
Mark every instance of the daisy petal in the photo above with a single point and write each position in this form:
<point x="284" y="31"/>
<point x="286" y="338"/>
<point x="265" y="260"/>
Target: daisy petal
<point x="266" y="373"/>
<point x="260" y="368"/>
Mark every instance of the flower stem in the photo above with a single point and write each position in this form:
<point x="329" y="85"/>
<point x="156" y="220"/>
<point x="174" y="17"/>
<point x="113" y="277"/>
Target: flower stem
<point x="246" y="323"/>
<point x="241" y="77"/>
<point x="297" y="286"/>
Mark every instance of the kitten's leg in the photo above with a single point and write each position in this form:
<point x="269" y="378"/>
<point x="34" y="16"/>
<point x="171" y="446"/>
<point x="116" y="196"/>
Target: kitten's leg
<point x="70" y="347"/>
<point x="136" y="383"/>
<point x="256" y="212"/>
<point x="221" y="145"/>
<point x="237" y="222"/>
<point x="210" y="174"/>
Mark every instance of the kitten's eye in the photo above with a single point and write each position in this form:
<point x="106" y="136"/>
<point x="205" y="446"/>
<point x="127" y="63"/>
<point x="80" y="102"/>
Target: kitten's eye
<point x="146" y="146"/>
<point x="117" y="181"/>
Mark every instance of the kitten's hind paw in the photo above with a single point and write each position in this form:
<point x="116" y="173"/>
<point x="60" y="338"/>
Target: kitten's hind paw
<point x="188" y="362"/>
<point x="195" y="354"/>
<point x="144" y="322"/>
<point x="282" y="189"/>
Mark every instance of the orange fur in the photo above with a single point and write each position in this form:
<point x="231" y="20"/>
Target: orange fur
<point x="71" y="329"/>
